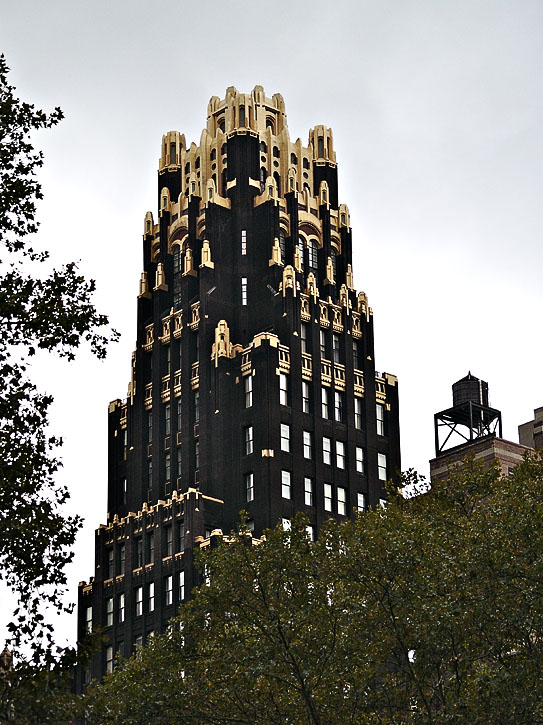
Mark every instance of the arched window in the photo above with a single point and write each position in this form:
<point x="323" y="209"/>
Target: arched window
<point x="148" y="226"/>
<point x="263" y="148"/>
<point x="223" y="149"/>
<point x="312" y="254"/>
<point x="213" y="155"/>
<point x="172" y="153"/>
<point x="305" y="163"/>
<point x="293" y="159"/>
<point x="176" y="259"/>
<point x="306" y="188"/>
<point x="262" y="179"/>
<point x="187" y="167"/>
<point x="197" y="164"/>
<point x="320" y="147"/>
<point x="221" y="124"/>
<point x="278" y="182"/>
<point x="276" y="153"/>
<point x="269" y="124"/>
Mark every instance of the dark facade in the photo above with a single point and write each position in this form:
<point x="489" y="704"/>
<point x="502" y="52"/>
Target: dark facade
<point x="253" y="380"/>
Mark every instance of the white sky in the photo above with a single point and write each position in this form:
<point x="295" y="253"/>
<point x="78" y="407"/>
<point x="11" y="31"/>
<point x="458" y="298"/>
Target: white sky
<point x="437" y="113"/>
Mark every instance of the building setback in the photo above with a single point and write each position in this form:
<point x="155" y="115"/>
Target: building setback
<point x="253" y="380"/>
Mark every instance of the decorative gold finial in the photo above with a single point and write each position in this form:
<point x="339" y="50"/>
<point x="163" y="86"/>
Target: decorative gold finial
<point x="160" y="277"/>
<point x="276" y="254"/>
<point x="206" y="255"/>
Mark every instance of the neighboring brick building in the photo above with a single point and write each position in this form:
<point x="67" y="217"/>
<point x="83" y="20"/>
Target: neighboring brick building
<point x="478" y="427"/>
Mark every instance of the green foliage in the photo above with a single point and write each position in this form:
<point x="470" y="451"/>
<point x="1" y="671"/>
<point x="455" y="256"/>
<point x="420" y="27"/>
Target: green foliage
<point x="429" y="611"/>
<point x="40" y="309"/>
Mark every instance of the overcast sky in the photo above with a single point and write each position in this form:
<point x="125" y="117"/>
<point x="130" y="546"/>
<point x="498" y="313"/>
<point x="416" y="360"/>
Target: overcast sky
<point x="437" y="113"/>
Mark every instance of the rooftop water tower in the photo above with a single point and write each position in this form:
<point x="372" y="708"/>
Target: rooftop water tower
<point x="470" y="418"/>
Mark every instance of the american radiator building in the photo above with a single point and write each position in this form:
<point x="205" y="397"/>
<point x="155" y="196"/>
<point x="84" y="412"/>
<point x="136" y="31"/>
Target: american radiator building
<point x="253" y="380"/>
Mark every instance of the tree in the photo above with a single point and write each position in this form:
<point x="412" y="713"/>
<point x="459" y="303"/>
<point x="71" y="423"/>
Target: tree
<point x="427" y="611"/>
<point x="40" y="309"/>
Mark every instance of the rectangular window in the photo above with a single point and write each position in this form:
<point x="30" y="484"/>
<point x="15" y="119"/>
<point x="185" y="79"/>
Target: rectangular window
<point x="340" y="454"/>
<point x="169" y="540"/>
<point x="109" y="612"/>
<point x="196" y="454"/>
<point x="324" y="402"/>
<point x="167" y="420"/>
<point x="243" y="241"/>
<point x="168" y="590"/>
<point x="181" y="586"/>
<point x="109" y="659"/>
<point x="139" y="601"/>
<point x="138" y="642"/>
<point x="122" y="558"/>
<point x="308" y="491"/>
<point x="249" y="487"/>
<point x="338" y="406"/>
<point x="335" y="348"/>
<point x="306" y="399"/>
<point x="168" y="360"/>
<point x="285" y="437"/>
<point x="248" y="438"/>
<point x="168" y="467"/>
<point x="358" y="413"/>
<point x="120" y="608"/>
<point x="181" y="537"/>
<point x="88" y="620"/>
<point x="341" y="501"/>
<point x="355" y="354"/>
<point x="285" y="484"/>
<point x="149" y="427"/>
<point x="150" y="546"/>
<point x="310" y="532"/>
<point x="308" y="453"/>
<point x="382" y="466"/>
<point x="322" y="343"/>
<point x="179" y="461"/>
<point x="283" y="389"/>
<point x="359" y="459"/>
<point x="151" y="597"/>
<point x="248" y="391"/>
<point x="303" y="337"/>
<point x="196" y="406"/>
<point x="361" y="501"/>
<point x="179" y="415"/>
<point x="327" y="497"/>
<point x="109" y="566"/>
<point x="123" y="489"/>
<point x="244" y="290"/>
<point x="150" y="473"/>
<point x="285" y="523"/>
<point x="327" y="451"/>
<point x="120" y="648"/>
<point x="139" y="553"/>
<point x="380" y="416"/>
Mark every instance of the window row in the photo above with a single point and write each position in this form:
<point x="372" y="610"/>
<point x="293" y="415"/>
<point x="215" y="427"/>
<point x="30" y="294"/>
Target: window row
<point x="309" y="493"/>
<point x="144" y="550"/>
<point x="144" y="600"/>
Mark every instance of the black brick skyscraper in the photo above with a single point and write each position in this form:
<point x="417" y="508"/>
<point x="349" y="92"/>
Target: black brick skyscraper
<point x="253" y="380"/>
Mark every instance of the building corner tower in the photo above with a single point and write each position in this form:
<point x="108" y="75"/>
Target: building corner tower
<point x="253" y="380"/>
